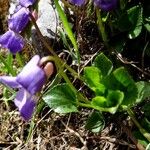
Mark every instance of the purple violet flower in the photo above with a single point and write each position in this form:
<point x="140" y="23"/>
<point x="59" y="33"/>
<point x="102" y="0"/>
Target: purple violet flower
<point x="11" y="40"/>
<point x="29" y="82"/>
<point x="77" y="2"/>
<point x="26" y="3"/>
<point x="19" y="20"/>
<point x="106" y="5"/>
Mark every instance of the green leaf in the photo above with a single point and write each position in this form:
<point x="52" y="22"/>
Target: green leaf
<point x="129" y="87"/>
<point x="140" y="138"/>
<point x="95" y="122"/>
<point x="30" y="132"/>
<point x="145" y="123"/>
<point x="114" y="98"/>
<point x="147" y="26"/>
<point x="123" y="76"/>
<point x="19" y="59"/>
<point x="104" y="64"/>
<point x="143" y="90"/>
<point x="147" y="23"/>
<point x="110" y="103"/>
<point x="135" y="15"/>
<point x="67" y="28"/>
<point x="93" y="77"/>
<point x="99" y="101"/>
<point x="9" y="67"/>
<point x="9" y="59"/>
<point x="61" y="99"/>
<point x="110" y="82"/>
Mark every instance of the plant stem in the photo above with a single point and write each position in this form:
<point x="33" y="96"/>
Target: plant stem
<point x="68" y="29"/>
<point x="56" y="58"/>
<point x="79" y="95"/>
<point x="63" y="74"/>
<point x="101" y="26"/>
<point x="141" y="129"/>
<point x="60" y="63"/>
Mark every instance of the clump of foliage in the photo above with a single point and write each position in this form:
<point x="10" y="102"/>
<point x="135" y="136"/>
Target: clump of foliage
<point x="121" y="25"/>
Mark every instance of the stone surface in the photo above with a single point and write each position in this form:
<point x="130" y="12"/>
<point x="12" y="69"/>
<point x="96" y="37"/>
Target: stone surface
<point x="47" y="23"/>
<point x="47" y="19"/>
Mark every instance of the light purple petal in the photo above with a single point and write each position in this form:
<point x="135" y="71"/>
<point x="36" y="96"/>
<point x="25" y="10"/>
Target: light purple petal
<point x="33" y="62"/>
<point x="18" y="7"/>
<point x="38" y="81"/>
<point x="19" y="20"/>
<point x="10" y="81"/>
<point x="106" y="5"/>
<point x="32" y="77"/>
<point x="26" y="3"/>
<point x="12" y="41"/>
<point x="77" y="2"/>
<point x="25" y="104"/>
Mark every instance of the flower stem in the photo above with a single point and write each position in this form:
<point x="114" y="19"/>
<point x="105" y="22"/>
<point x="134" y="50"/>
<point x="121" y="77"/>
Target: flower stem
<point x="56" y="58"/>
<point x="101" y="26"/>
<point x="80" y="97"/>
<point x="141" y="129"/>
<point x="60" y="63"/>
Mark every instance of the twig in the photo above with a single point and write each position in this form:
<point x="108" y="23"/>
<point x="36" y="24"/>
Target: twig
<point x="133" y="139"/>
<point x="114" y="140"/>
<point x="132" y="63"/>
<point x="142" y="63"/>
<point x="76" y="134"/>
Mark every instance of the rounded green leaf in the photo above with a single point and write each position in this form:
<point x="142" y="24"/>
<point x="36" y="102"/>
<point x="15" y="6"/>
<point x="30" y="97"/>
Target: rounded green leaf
<point x="104" y="64"/>
<point x="129" y="87"/>
<point x="61" y="99"/>
<point x="143" y="90"/>
<point x="110" y="103"/>
<point x="93" y="76"/>
<point x="135" y="15"/>
<point x="123" y="76"/>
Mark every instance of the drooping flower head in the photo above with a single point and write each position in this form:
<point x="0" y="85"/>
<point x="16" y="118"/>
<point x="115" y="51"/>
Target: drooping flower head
<point x="19" y="20"/>
<point x="106" y="5"/>
<point x="29" y="82"/>
<point x="12" y="41"/>
<point x="77" y="2"/>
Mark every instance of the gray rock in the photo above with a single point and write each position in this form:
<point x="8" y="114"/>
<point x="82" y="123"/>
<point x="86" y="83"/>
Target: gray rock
<point x="47" y="18"/>
<point x="47" y="23"/>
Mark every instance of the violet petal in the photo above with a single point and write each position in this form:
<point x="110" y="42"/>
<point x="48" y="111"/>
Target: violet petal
<point x="10" y="81"/>
<point x="26" y="3"/>
<point x="12" y="41"/>
<point x="77" y="2"/>
<point x="25" y="104"/>
<point x="106" y="5"/>
<point x="19" y="20"/>
<point x="32" y="77"/>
